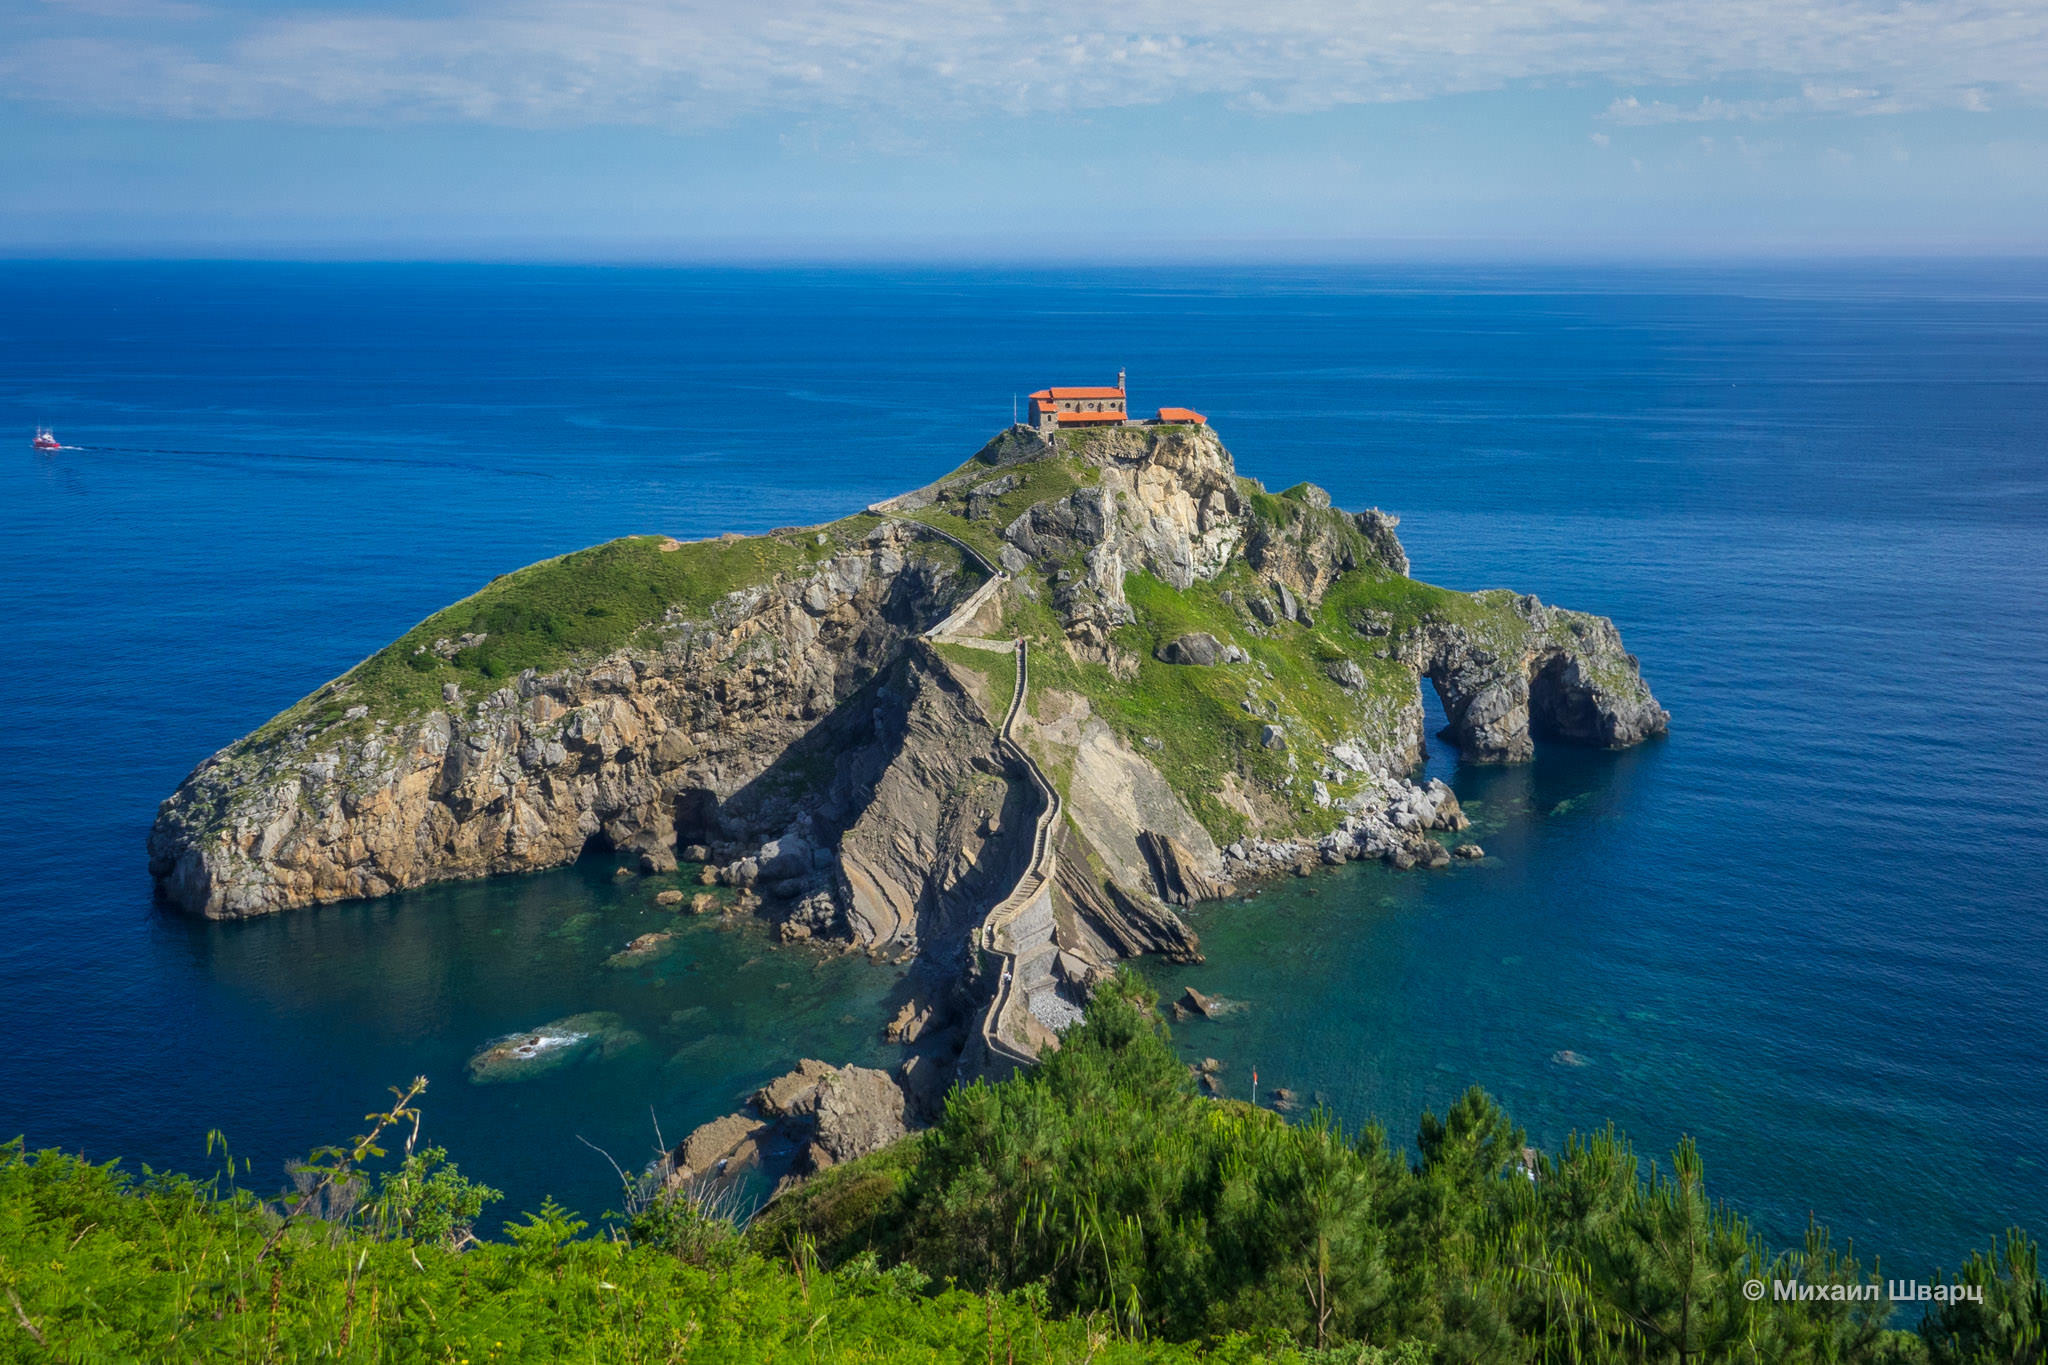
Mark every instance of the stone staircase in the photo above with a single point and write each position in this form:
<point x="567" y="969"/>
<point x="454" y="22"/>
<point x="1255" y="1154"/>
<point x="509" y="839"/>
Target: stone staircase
<point x="1019" y="930"/>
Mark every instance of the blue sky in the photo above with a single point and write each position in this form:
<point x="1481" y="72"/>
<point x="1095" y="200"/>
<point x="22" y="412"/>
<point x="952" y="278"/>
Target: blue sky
<point x="680" y="129"/>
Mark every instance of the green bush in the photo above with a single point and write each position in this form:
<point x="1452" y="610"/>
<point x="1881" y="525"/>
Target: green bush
<point x="1105" y="1178"/>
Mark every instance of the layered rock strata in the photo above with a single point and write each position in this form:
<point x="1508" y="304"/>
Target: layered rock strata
<point x="697" y="737"/>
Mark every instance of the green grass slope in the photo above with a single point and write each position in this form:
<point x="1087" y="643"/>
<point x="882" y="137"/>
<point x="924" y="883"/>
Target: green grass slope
<point x="97" y="1267"/>
<point x="571" y="610"/>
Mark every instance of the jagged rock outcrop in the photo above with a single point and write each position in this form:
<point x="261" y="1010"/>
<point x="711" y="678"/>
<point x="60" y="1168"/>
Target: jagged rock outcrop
<point x="1549" y="672"/>
<point x="1382" y="544"/>
<point x="1302" y="555"/>
<point x="947" y="827"/>
<point x="1112" y="922"/>
<point x="1179" y="874"/>
<point x="819" y="1114"/>
<point x="1164" y="501"/>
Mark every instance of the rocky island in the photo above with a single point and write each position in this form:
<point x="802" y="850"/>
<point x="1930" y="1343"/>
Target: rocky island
<point x="1001" y="726"/>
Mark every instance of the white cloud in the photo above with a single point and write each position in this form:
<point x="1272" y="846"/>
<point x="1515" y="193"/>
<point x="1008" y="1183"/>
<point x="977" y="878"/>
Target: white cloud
<point x="1812" y="99"/>
<point x="694" y="63"/>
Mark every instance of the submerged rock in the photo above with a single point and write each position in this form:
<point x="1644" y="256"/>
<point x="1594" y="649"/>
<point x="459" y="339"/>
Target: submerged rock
<point x="642" y="949"/>
<point x="536" y="1052"/>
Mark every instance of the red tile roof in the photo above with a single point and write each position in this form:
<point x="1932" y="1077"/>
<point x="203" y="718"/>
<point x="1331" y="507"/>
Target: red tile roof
<point x="1057" y="392"/>
<point x="1182" y="415"/>
<point x="1084" y="418"/>
<point x="1043" y="393"/>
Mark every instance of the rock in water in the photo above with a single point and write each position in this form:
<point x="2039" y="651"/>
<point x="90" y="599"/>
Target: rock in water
<point x="536" y="1052"/>
<point x="642" y="949"/>
<point x="606" y="748"/>
<point x="860" y="1110"/>
<point x="909" y="1024"/>
<point x="715" y="1148"/>
<point x="1197" y="1003"/>
<point x="795" y="1093"/>
<point x="1561" y="674"/>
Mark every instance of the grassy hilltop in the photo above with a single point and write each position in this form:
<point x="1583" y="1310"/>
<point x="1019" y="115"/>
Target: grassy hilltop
<point x="571" y="609"/>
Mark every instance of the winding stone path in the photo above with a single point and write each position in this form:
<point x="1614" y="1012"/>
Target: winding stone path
<point x="1019" y="929"/>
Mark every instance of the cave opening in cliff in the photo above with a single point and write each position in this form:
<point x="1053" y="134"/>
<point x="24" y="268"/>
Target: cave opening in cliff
<point x="696" y="816"/>
<point x="597" y="847"/>
<point x="1436" y="710"/>
<point x="1558" y="707"/>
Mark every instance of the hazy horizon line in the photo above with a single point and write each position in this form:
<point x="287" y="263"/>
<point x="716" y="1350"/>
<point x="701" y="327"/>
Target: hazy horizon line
<point x="1228" y="253"/>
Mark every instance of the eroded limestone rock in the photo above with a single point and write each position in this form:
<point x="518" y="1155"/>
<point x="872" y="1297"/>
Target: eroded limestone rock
<point x="616" y="753"/>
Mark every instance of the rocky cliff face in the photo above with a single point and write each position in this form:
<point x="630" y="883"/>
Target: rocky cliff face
<point x="945" y="828"/>
<point x="696" y="734"/>
<point x="1161" y="502"/>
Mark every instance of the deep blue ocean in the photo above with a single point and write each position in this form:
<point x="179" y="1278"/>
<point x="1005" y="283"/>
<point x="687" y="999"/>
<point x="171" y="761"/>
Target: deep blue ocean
<point x="1810" y="928"/>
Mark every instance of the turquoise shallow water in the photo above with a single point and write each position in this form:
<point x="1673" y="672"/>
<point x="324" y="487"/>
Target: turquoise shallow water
<point x="418" y="983"/>
<point x="1807" y="928"/>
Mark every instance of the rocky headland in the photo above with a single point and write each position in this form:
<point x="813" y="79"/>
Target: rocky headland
<point x="1002" y="727"/>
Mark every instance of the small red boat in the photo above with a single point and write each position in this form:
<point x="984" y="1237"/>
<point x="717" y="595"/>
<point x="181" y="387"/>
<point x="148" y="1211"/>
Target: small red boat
<point x="45" y="440"/>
